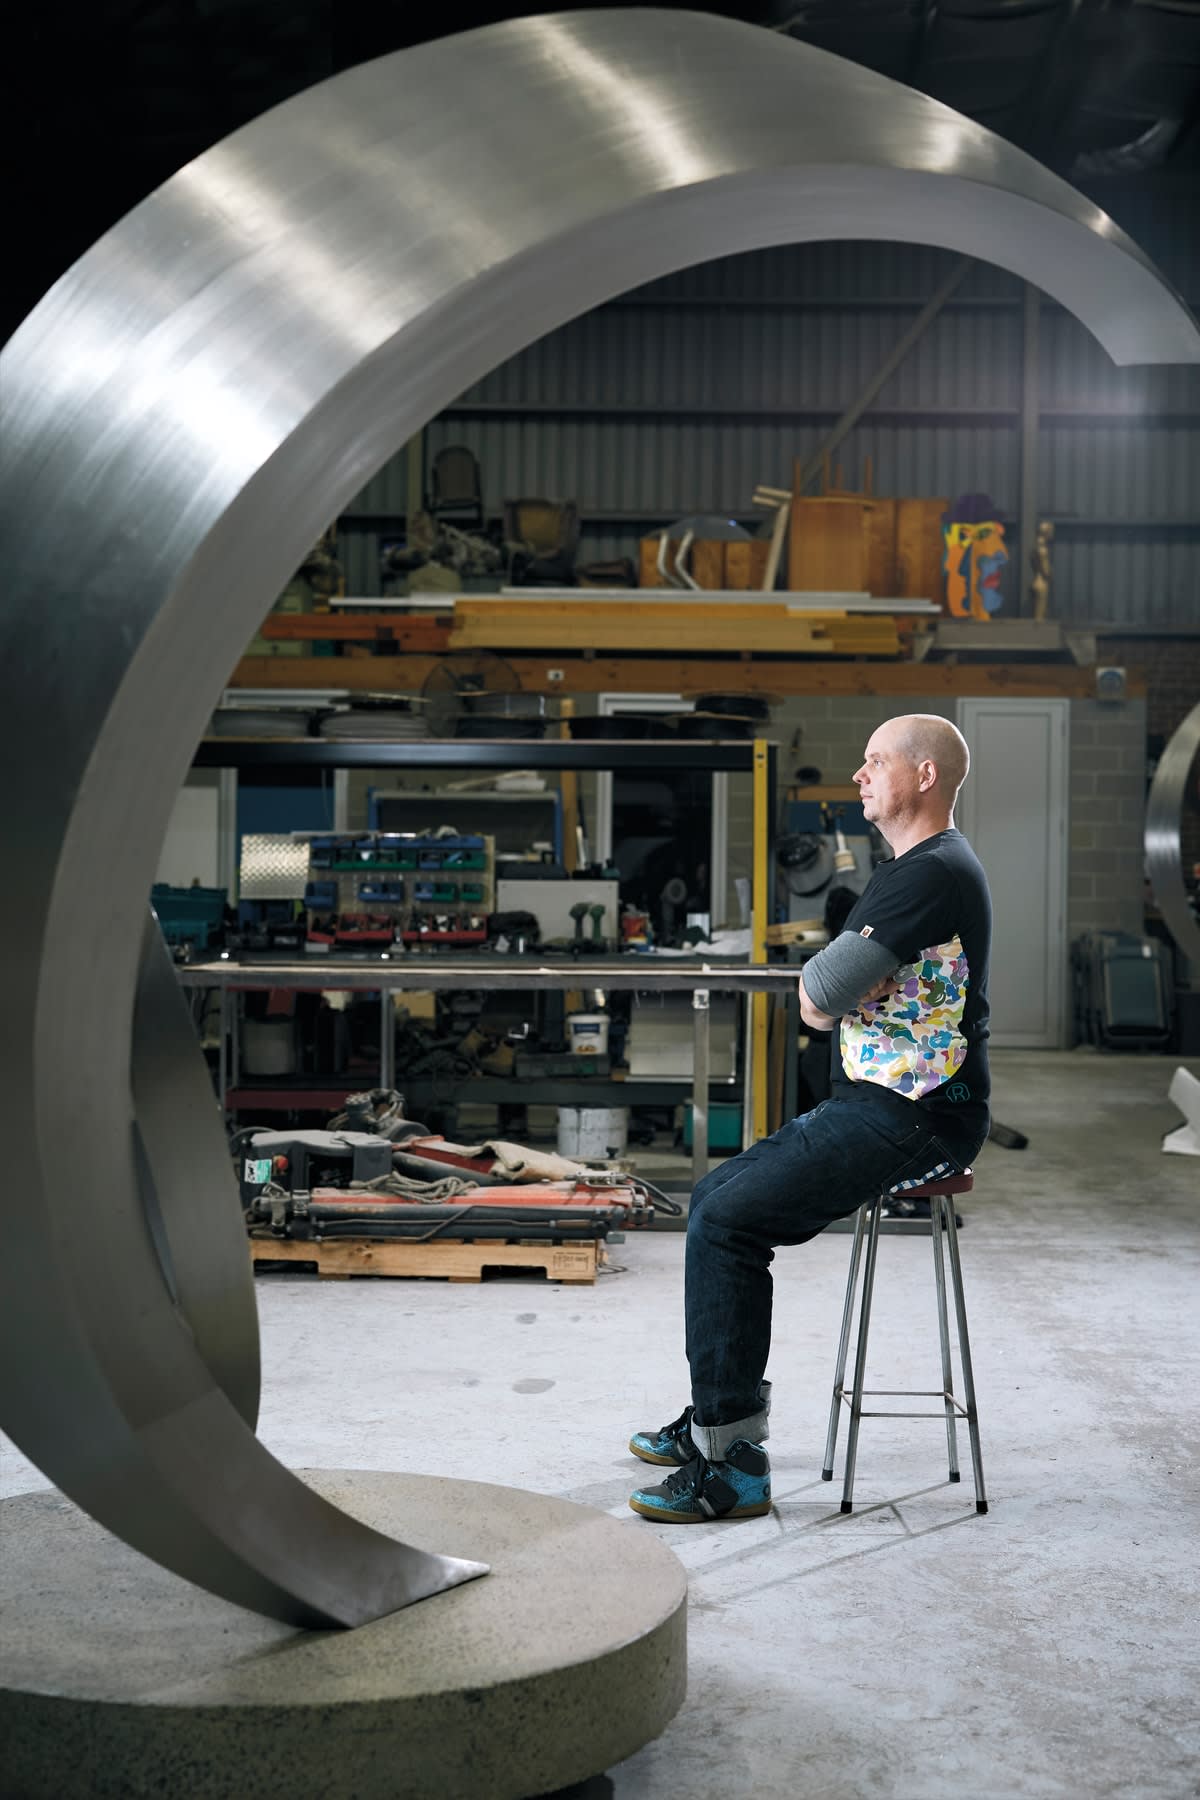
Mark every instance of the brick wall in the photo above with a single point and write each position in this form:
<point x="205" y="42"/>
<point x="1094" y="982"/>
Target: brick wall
<point x="1107" y="797"/>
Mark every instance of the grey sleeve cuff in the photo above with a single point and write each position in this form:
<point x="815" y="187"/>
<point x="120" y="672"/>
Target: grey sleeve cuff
<point x="836" y="979"/>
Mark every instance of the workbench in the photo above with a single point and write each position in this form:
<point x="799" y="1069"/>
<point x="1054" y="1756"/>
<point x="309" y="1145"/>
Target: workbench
<point x="754" y="757"/>
<point x="397" y="970"/>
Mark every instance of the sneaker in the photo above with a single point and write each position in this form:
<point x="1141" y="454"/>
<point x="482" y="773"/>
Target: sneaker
<point x="669" y="1444"/>
<point x="673" y="1443"/>
<point x="737" y="1488"/>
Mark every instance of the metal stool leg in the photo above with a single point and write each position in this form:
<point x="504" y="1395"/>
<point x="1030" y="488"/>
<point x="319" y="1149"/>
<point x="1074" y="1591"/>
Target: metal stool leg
<point x="839" y="1377"/>
<point x="937" y="1209"/>
<point x="964" y="1351"/>
<point x="860" y="1356"/>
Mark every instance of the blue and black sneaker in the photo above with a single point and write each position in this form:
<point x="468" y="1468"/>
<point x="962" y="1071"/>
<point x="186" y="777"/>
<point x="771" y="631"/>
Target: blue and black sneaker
<point x="669" y="1444"/>
<point x="673" y="1443"/>
<point x="737" y="1488"/>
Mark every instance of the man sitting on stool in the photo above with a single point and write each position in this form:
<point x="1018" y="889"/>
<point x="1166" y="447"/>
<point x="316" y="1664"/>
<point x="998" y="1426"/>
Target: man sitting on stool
<point x="907" y="979"/>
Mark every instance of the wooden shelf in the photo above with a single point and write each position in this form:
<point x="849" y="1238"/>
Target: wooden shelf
<point x="846" y="792"/>
<point x="782" y="676"/>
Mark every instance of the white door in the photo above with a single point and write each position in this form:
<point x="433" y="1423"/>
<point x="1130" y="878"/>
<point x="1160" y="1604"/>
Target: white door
<point x="1014" y="809"/>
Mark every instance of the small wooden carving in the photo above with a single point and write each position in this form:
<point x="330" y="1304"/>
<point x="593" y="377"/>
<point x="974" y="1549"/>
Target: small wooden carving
<point x="1039" y="557"/>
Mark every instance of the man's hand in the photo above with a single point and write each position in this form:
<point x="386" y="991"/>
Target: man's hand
<point x="881" y="991"/>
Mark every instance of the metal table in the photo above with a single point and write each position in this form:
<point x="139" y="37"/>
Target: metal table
<point x="645" y="974"/>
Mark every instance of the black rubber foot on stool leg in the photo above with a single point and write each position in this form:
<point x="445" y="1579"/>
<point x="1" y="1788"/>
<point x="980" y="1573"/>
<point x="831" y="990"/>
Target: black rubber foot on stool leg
<point x="954" y="1475"/>
<point x="847" y="1506"/>
<point x="826" y="1474"/>
<point x="981" y="1506"/>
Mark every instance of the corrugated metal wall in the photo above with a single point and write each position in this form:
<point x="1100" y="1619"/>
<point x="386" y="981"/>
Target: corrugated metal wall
<point x="682" y="396"/>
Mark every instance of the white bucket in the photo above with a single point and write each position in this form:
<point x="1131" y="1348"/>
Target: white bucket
<point x="587" y="1033"/>
<point x="592" y="1133"/>
<point x="269" y="1046"/>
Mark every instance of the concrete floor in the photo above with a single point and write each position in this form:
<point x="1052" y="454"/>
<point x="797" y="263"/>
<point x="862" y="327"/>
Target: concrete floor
<point x="912" y="1651"/>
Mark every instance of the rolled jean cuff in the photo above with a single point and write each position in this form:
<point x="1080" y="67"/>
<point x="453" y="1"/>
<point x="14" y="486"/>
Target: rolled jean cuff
<point x="713" y="1441"/>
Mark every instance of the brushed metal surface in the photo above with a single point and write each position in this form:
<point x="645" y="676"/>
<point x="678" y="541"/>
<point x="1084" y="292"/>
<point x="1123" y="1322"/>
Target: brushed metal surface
<point x="1175" y="777"/>
<point x="183" y="413"/>
<point x="189" y="1193"/>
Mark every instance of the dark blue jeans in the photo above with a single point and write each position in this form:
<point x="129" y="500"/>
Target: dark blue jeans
<point x="782" y="1190"/>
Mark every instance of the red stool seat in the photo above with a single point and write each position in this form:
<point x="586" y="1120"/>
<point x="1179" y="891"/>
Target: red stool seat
<point x="949" y="1184"/>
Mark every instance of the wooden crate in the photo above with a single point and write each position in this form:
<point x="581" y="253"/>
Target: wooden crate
<point x="858" y="543"/>
<point x="706" y="563"/>
<point x="919" y="574"/>
<point x="879" y="529"/>
<point x="737" y="566"/>
<point x="827" y="551"/>
<point x="746" y="565"/>
<point x="442" y="1259"/>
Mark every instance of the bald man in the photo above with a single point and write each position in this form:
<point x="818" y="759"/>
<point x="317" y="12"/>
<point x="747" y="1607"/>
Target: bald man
<point x="903" y="990"/>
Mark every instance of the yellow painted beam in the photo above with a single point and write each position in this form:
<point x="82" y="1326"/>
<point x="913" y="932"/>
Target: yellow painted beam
<point x="760" y="917"/>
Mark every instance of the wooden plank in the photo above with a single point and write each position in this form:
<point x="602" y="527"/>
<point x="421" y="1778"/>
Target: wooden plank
<point x="796" y="931"/>
<point x="444" y="1259"/>
<point x="824" y="791"/>
<point x="862" y="635"/>
<point x="782" y="676"/>
<point x="644" y="625"/>
<point x="650" y="624"/>
<point x="407" y="631"/>
<point x="779" y="533"/>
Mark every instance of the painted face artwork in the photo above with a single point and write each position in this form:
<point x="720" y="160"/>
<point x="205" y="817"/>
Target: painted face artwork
<point x="975" y="555"/>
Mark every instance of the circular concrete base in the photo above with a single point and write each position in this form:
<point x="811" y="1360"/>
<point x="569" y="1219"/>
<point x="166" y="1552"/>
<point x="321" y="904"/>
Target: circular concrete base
<point x="118" y="1678"/>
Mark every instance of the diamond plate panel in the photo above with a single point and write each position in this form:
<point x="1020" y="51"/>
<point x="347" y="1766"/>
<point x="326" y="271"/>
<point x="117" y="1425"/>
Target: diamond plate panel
<point x="274" y="866"/>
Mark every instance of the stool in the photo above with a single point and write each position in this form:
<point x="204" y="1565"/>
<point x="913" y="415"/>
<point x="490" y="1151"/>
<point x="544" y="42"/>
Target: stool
<point x="940" y="1195"/>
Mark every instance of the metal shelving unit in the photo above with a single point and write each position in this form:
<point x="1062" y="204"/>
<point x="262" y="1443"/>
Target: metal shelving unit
<point x="483" y="753"/>
<point x="636" y="972"/>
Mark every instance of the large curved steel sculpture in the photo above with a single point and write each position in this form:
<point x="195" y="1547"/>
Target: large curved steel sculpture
<point x="1176" y="781"/>
<point x="183" y="412"/>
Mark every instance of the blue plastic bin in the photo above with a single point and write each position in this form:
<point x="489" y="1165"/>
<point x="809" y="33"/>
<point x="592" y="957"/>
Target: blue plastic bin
<point x="192" y="915"/>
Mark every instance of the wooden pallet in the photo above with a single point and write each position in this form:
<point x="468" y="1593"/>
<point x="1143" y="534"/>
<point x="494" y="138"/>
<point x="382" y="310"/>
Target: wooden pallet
<point x="443" y="1259"/>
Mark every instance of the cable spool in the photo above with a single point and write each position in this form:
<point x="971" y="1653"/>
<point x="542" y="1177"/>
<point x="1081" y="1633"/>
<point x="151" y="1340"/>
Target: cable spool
<point x="805" y="862"/>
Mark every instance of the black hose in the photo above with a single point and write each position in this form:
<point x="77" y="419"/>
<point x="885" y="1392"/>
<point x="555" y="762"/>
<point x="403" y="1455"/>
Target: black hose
<point x="581" y="1229"/>
<point x="549" y="1226"/>
<point x="660" y="1201"/>
<point x="324" y="1210"/>
<point x="427" y="1168"/>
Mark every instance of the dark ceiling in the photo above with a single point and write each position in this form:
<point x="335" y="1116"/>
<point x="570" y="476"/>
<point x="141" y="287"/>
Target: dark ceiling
<point x="105" y="102"/>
